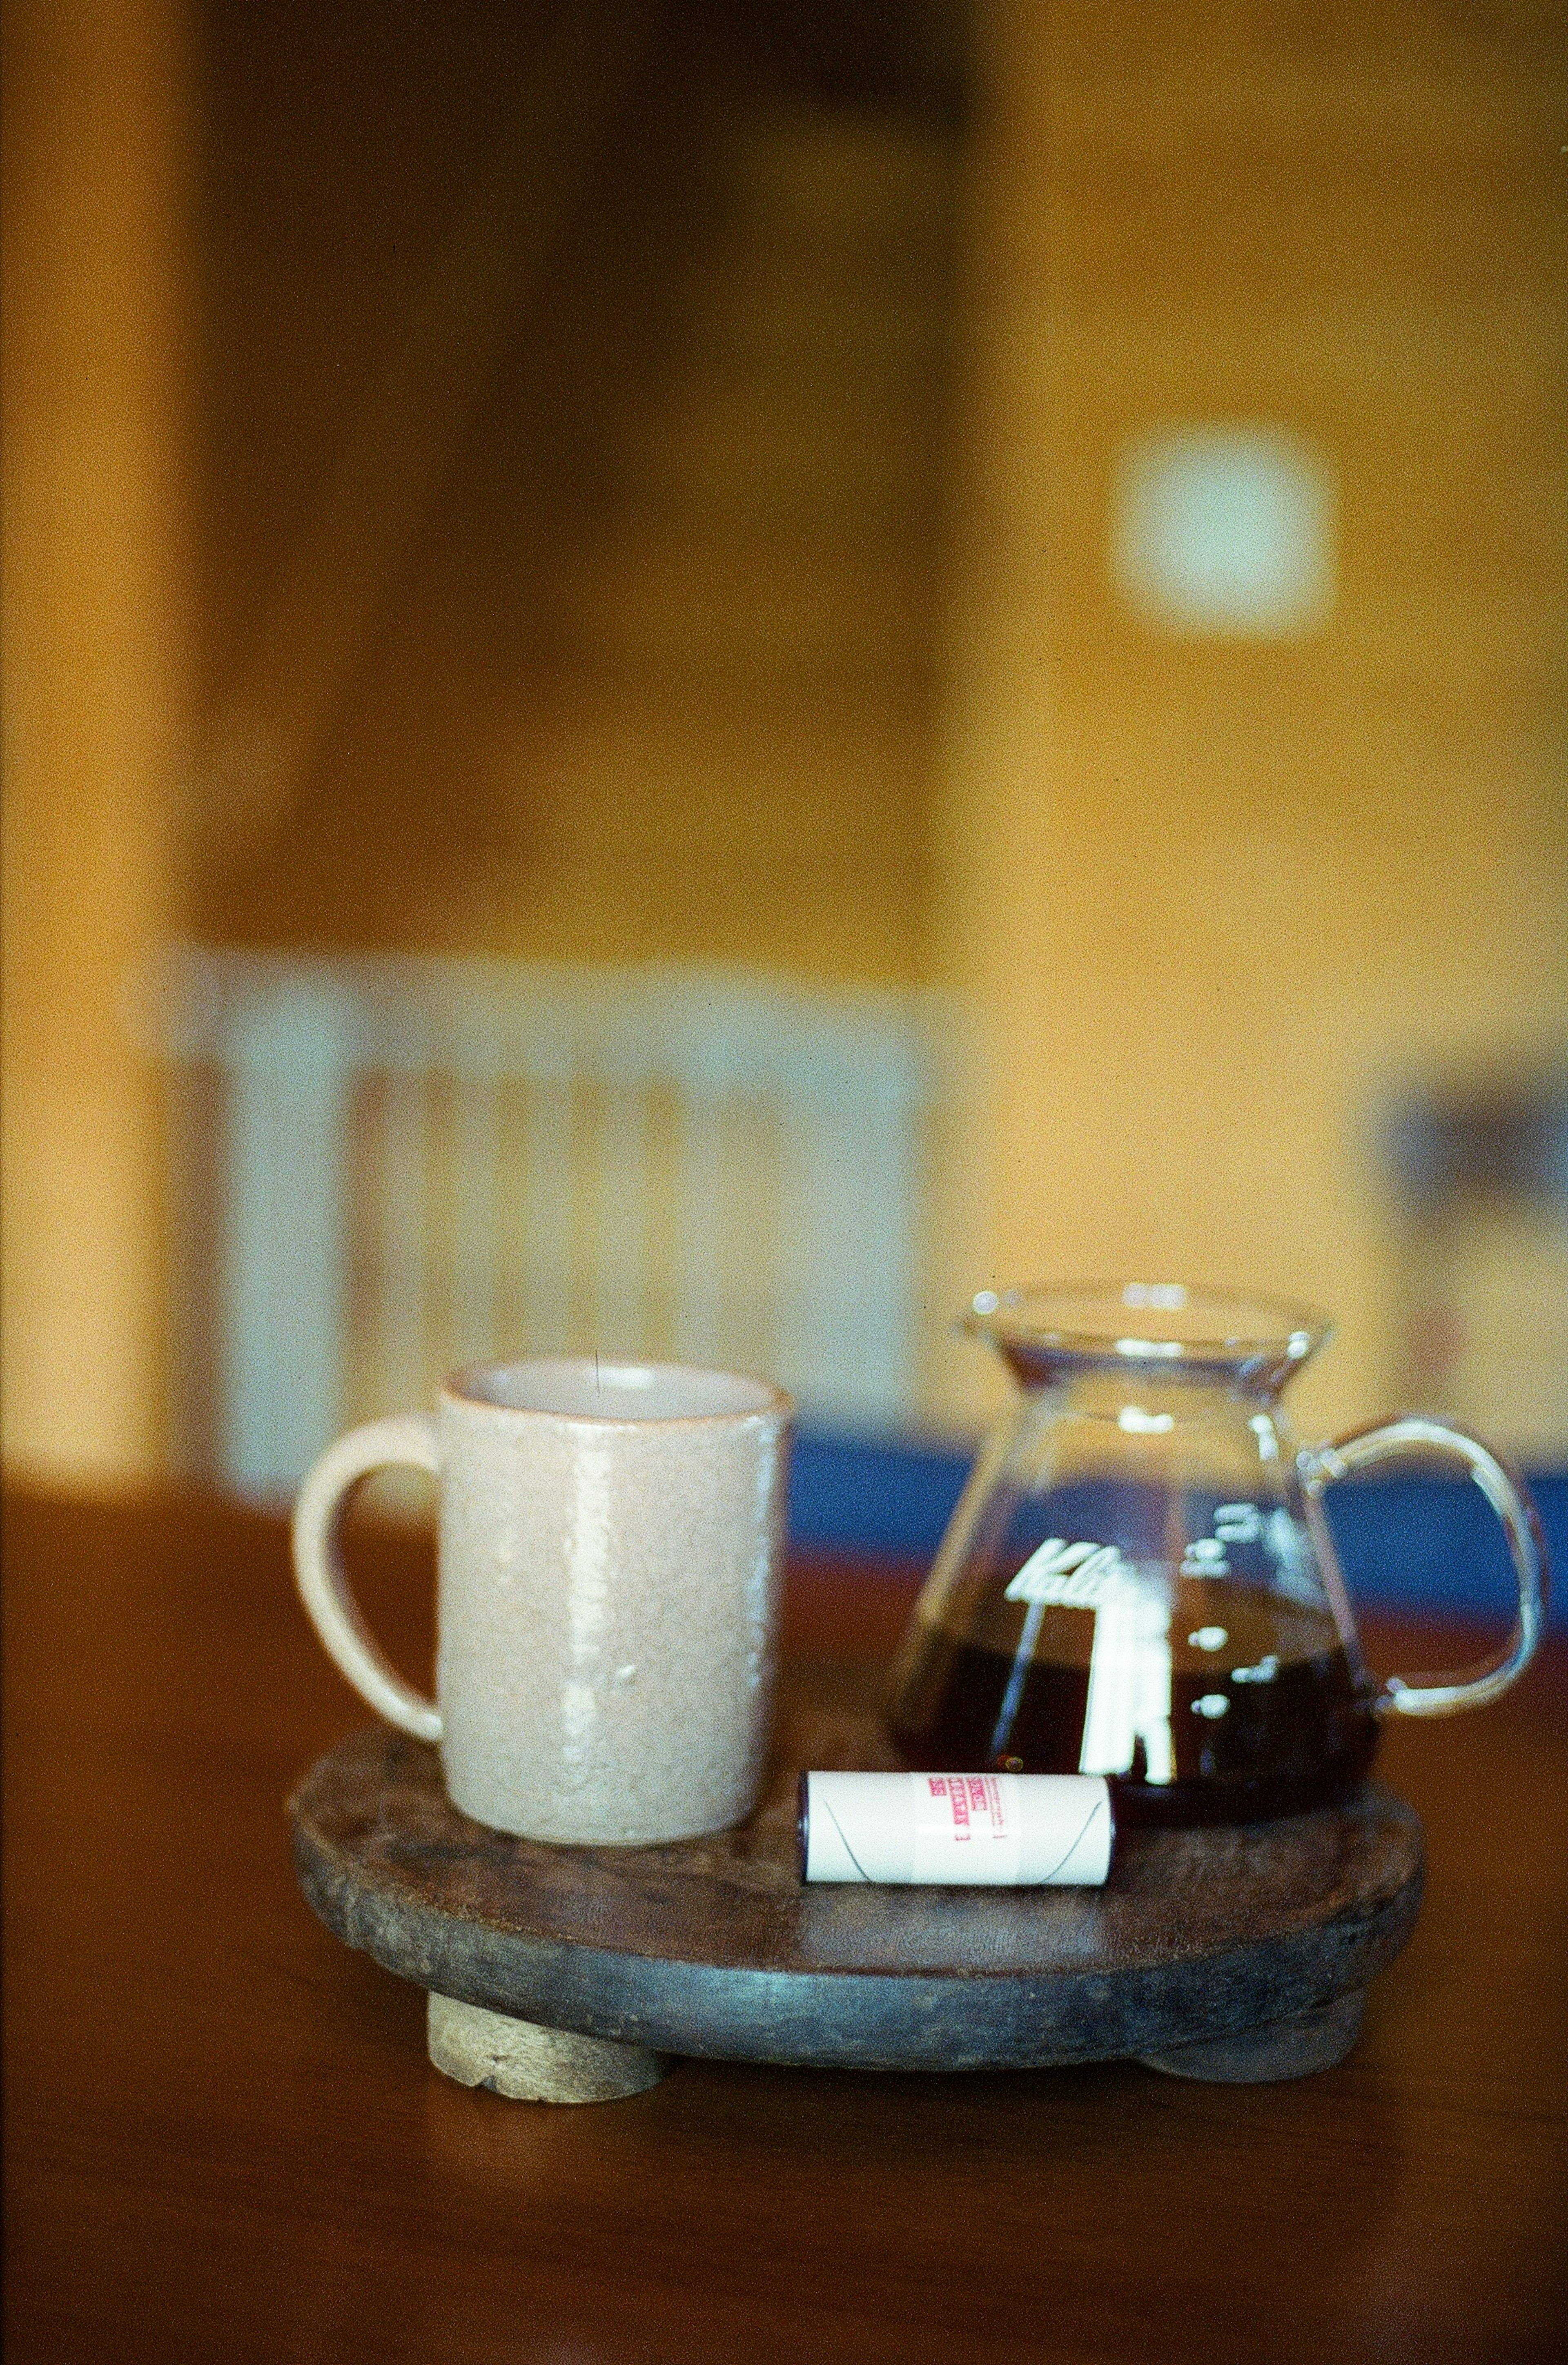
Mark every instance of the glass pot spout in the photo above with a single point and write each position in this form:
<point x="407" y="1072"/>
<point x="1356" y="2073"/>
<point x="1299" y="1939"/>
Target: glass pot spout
<point x="1138" y="1580"/>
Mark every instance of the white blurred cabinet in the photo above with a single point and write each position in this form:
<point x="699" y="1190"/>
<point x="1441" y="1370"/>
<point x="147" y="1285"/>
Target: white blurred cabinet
<point x="389" y="1166"/>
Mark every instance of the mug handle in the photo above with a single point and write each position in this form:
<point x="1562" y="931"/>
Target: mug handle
<point x="1526" y="1548"/>
<point x="404" y="1437"/>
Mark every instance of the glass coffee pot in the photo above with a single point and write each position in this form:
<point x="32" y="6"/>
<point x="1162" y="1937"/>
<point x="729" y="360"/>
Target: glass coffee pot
<point x="1138" y="1579"/>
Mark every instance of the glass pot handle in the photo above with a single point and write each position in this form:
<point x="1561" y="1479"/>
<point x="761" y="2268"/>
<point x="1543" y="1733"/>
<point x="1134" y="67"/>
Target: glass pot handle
<point x="1440" y="1697"/>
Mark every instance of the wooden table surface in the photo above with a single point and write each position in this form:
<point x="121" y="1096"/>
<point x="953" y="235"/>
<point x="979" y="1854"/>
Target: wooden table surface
<point x="224" y="2139"/>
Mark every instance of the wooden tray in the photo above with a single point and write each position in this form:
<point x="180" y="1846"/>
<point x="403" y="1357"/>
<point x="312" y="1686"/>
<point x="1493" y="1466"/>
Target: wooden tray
<point x="1237" y="1953"/>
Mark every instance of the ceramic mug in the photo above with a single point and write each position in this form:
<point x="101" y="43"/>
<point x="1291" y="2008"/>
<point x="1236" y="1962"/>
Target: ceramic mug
<point x="609" y="1549"/>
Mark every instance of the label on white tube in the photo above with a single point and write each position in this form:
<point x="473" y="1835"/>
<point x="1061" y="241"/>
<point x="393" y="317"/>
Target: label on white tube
<point x="994" y="1831"/>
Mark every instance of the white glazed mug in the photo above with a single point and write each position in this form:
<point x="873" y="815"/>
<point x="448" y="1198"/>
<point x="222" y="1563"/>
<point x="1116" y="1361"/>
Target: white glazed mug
<point x="610" y="1554"/>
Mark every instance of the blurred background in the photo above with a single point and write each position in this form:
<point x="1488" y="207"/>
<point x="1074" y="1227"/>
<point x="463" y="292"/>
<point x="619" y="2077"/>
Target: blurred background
<point x="690" y="680"/>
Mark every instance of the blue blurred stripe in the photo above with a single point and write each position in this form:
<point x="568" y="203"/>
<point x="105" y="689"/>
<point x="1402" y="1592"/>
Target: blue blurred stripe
<point x="1406" y="1543"/>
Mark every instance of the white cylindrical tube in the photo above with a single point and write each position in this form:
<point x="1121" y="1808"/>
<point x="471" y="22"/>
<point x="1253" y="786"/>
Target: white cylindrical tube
<point x="999" y="1831"/>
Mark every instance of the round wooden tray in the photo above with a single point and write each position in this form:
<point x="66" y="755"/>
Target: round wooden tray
<point x="1232" y="1953"/>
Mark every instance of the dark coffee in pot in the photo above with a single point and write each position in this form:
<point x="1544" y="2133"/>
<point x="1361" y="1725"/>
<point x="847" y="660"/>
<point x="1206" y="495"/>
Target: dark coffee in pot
<point x="1236" y="1734"/>
<point x="1138" y="1581"/>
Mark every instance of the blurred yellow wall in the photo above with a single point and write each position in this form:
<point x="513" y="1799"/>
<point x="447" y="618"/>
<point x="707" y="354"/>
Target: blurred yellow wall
<point x="711" y="634"/>
<point x="1213" y="899"/>
<point x="97" y="165"/>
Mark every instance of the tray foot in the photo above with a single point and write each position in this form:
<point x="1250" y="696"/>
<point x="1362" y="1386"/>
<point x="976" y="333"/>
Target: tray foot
<point x="530" y="2064"/>
<point x="1256" y="2056"/>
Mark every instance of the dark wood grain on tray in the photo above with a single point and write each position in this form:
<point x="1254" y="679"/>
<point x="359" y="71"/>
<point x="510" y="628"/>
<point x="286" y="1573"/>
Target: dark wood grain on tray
<point x="714" y="1946"/>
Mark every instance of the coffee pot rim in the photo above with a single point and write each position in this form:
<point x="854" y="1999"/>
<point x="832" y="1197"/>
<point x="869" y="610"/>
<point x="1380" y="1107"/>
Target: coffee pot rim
<point x="1174" y="1325"/>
